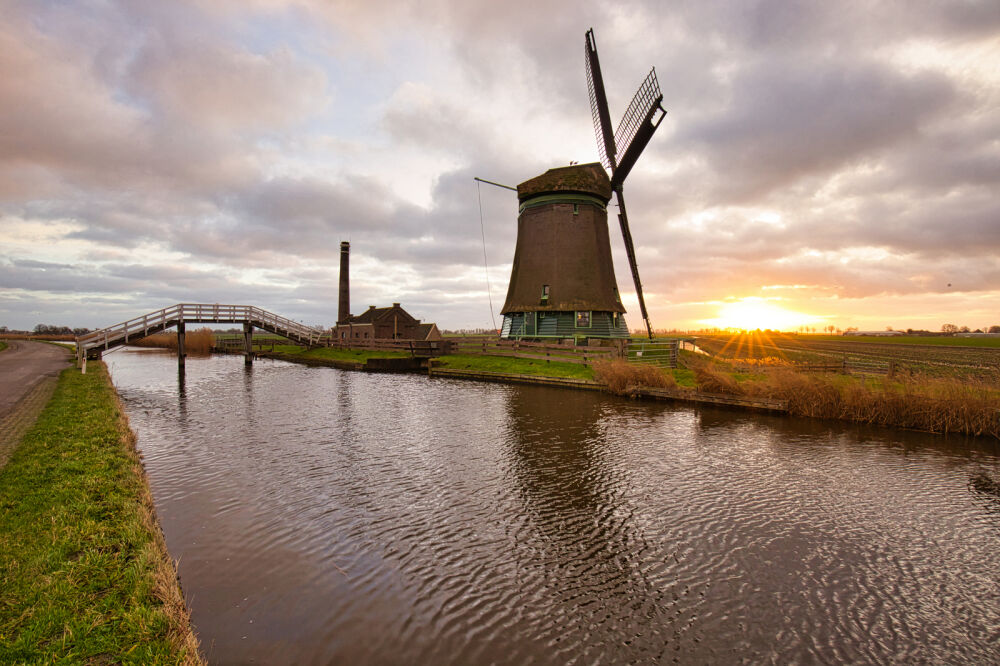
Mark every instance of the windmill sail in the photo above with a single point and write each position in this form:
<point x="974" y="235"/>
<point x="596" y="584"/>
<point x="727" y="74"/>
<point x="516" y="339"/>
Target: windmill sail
<point x="638" y="124"/>
<point x="634" y="131"/>
<point x="599" y="105"/>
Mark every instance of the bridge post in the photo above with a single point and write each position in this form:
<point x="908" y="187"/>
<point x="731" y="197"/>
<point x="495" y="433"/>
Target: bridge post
<point x="180" y="343"/>
<point x="248" y="342"/>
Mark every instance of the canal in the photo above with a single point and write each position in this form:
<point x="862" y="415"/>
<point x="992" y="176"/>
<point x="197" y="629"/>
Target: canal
<point x="323" y="516"/>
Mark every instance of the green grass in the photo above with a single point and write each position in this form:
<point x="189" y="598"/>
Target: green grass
<point x="288" y="349"/>
<point x="684" y="377"/>
<point x="360" y="355"/>
<point x="515" y="366"/>
<point x="3" y="345"/>
<point x="84" y="575"/>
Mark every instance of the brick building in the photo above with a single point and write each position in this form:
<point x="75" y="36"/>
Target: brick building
<point x="392" y="323"/>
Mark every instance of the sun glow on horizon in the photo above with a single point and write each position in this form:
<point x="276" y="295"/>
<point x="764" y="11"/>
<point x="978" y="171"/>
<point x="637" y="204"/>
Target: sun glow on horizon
<point x="753" y="312"/>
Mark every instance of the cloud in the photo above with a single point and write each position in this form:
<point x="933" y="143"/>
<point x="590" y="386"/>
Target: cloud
<point x="221" y="150"/>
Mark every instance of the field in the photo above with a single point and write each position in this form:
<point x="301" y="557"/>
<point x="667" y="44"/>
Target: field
<point x="930" y="356"/>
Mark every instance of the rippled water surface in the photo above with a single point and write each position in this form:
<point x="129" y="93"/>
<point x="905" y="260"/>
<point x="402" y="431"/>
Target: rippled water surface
<point x="322" y="516"/>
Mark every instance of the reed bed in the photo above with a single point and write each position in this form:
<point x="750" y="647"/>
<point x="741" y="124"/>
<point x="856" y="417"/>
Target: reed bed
<point x="198" y="341"/>
<point x="912" y="401"/>
<point x="919" y="403"/>
<point x="624" y="378"/>
<point x="711" y="379"/>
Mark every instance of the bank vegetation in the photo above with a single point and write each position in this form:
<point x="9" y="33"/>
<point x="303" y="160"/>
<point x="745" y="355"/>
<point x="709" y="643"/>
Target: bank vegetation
<point x="929" y="404"/>
<point x="84" y="572"/>
<point x="197" y="341"/>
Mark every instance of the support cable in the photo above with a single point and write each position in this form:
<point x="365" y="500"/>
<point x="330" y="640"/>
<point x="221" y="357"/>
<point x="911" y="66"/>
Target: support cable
<point x="486" y="266"/>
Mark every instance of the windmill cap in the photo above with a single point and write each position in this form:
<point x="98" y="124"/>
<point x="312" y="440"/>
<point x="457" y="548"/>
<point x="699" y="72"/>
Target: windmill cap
<point x="582" y="178"/>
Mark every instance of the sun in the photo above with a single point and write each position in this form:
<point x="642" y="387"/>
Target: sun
<point x="753" y="312"/>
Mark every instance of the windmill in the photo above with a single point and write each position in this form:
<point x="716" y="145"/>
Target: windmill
<point x="641" y="119"/>
<point x="562" y="282"/>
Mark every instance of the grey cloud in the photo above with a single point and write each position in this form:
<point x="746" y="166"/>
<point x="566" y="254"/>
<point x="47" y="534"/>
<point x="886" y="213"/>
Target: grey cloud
<point x="794" y="119"/>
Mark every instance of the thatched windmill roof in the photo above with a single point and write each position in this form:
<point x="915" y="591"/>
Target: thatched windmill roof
<point x="579" y="178"/>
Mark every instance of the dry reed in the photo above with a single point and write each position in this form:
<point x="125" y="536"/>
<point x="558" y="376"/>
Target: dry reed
<point x="713" y="380"/>
<point x="198" y="341"/>
<point x="624" y="378"/>
<point x="918" y="403"/>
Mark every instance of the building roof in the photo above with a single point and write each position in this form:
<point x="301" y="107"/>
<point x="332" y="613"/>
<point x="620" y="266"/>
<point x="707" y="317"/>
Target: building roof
<point x="373" y="314"/>
<point x="582" y="178"/>
<point x="423" y="331"/>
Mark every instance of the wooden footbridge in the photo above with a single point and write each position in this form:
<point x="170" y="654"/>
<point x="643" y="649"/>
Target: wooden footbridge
<point x="92" y="345"/>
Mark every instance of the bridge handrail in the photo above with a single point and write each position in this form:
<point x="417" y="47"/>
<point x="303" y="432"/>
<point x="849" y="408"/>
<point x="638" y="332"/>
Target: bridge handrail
<point x="195" y="312"/>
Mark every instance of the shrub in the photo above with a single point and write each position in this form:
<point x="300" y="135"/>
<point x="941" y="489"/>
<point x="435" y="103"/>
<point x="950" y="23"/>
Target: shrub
<point x="624" y="378"/>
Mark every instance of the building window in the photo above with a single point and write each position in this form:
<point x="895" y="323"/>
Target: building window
<point x="545" y="293"/>
<point x="583" y="319"/>
<point x="576" y="209"/>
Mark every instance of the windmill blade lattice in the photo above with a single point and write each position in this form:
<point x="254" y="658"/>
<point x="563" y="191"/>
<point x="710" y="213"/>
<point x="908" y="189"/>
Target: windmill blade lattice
<point x="599" y="105"/>
<point x="634" y="132"/>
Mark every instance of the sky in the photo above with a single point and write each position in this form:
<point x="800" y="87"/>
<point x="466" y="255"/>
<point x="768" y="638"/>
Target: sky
<point x="821" y="163"/>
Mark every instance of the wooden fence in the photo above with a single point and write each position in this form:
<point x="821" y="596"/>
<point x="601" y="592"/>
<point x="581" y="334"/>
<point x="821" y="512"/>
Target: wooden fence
<point x="413" y="347"/>
<point x="543" y="351"/>
<point x="845" y="366"/>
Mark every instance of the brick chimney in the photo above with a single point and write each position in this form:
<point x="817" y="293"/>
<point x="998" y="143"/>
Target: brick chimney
<point x="344" y="311"/>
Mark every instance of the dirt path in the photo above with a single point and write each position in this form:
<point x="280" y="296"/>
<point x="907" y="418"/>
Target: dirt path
<point x="28" y="375"/>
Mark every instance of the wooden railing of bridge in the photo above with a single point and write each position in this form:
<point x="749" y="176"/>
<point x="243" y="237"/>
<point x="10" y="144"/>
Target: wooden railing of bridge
<point x="93" y="344"/>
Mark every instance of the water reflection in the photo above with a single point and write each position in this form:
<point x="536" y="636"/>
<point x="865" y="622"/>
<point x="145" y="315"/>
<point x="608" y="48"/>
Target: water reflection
<point x="587" y="551"/>
<point x="331" y="517"/>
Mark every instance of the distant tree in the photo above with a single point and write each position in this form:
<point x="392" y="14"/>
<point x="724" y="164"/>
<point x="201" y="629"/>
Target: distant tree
<point x="949" y="328"/>
<point x="964" y="329"/>
<point x="888" y="328"/>
<point x="993" y="329"/>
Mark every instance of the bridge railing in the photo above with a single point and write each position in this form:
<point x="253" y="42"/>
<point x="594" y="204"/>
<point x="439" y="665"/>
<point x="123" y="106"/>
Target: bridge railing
<point x="283" y="324"/>
<point x="139" y="327"/>
<point x="132" y="328"/>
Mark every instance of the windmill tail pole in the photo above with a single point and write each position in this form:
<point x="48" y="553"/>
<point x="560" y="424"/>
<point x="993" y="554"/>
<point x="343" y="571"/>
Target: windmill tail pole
<point x="630" y="251"/>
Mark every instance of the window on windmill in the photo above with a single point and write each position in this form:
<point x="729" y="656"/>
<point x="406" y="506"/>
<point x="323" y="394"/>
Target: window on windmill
<point x="583" y="319"/>
<point x="576" y="209"/>
<point x="545" y="293"/>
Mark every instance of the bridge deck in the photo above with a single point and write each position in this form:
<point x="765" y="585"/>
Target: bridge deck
<point x="195" y="313"/>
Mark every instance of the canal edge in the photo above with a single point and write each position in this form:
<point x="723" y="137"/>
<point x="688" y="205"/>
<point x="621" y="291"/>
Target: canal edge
<point x="167" y="581"/>
<point x="643" y="392"/>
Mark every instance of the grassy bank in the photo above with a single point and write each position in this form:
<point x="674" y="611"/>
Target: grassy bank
<point x="359" y="355"/>
<point x="84" y="573"/>
<point x="515" y="366"/>
<point x="3" y="345"/>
